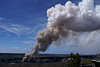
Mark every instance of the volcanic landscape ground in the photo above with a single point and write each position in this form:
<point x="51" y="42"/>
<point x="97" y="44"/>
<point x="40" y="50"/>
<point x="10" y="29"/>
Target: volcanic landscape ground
<point x="40" y="60"/>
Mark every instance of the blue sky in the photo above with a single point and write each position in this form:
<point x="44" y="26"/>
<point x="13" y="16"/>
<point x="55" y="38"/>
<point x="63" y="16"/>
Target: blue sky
<point x="20" y="21"/>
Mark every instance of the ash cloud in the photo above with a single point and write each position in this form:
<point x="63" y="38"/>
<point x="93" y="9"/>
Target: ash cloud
<point x="65" y="21"/>
<point x="83" y="17"/>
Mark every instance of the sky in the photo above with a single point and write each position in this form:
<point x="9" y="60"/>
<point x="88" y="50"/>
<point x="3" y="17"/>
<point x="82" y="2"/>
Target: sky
<point x="20" y="21"/>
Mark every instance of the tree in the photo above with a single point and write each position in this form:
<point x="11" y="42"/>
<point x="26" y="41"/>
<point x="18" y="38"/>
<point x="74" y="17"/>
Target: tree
<point x="74" y="60"/>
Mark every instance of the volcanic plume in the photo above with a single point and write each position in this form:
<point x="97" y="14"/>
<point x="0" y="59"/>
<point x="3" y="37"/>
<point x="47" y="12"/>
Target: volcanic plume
<point x="65" y="20"/>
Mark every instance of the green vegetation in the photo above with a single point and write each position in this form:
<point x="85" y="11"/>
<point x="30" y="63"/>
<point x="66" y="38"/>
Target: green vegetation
<point x="86" y="61"/>
<point x="74" y="60"/>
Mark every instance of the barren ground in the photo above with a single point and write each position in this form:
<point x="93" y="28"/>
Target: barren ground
<point x="57" y="64"/>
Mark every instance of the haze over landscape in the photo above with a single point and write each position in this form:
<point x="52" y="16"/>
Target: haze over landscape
<point x="21" y="20"/>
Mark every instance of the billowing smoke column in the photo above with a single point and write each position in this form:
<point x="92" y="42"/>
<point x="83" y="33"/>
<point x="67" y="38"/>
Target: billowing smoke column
<point x="44" y="39"/>
<point x="64" y="20"/>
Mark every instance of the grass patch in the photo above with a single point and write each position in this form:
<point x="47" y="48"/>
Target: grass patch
<point x="86" y="61"/>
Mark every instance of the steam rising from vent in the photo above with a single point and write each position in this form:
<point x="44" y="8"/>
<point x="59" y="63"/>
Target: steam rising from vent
<point x="65" y="20"/>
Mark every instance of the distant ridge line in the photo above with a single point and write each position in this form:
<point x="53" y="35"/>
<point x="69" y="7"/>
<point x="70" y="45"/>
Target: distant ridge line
<point x="46" y="54"/>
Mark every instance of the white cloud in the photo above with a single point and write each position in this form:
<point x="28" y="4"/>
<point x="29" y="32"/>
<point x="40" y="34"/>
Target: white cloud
<point x="14" y="50"/>
<point x="84" y="43"/>
<point x="16" y="29"/>
<point x="15" y="38"/>
<point x="15" y="47"/>
<point x="21" y="29"/>
<point x="27" y="42"/>
<point x="15" y="41"/>
<point x="1" y="18"/>
<point x="25" y="48"/>
<point x="31" y="37"/>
